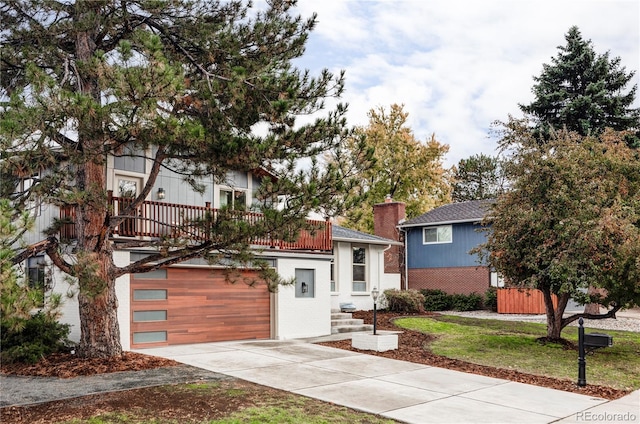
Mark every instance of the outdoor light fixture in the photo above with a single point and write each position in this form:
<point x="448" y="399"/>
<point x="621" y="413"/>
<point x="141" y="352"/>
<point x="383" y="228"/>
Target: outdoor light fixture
<point x="374" y="294"/>
<point x="161" y="193"/>
<point x="304" y="288"/>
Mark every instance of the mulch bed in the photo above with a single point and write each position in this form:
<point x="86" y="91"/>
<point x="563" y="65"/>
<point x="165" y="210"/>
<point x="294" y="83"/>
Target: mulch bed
<point x="66" y="365"/>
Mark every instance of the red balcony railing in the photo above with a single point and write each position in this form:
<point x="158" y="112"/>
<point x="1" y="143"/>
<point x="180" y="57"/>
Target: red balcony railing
<point x="159" y="219"/>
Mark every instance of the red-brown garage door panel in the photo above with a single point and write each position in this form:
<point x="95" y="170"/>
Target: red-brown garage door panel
<point x="201" y="306"/>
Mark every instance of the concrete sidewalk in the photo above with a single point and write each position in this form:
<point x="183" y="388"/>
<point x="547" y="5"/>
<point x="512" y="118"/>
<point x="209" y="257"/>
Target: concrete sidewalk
<point x="404" y="391"/>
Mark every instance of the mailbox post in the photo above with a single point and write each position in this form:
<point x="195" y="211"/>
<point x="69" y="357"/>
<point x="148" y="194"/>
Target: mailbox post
<point x="582" y="362"/>
<point x="592" y="341"/>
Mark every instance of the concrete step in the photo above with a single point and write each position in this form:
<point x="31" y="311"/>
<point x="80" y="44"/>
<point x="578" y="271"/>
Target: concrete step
<point x="335" y="322"/>
<point x="351" y="328"/>
<point x="340" y="315"/>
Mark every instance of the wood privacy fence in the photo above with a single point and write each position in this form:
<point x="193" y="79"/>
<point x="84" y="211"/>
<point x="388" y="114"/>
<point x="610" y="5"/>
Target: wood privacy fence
<point x="159" y="219"/>
<point x="514" y="300"/>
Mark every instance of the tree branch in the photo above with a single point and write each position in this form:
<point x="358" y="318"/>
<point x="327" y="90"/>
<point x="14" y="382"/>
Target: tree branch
<point x="609" y="314"/>
<point x="50" y="247"/>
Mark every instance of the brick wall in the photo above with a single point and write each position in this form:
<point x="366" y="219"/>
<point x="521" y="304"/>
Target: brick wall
<point x="464" y="280"/>
<point x="386" y="217"/>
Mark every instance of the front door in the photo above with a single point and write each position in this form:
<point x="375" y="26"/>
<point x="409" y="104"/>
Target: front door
<point x="128" y="188"/>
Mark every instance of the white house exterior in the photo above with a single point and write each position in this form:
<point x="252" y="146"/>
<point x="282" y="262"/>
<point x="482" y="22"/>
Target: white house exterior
<point x="192" y="302"/>
<point x="358" y="267"/>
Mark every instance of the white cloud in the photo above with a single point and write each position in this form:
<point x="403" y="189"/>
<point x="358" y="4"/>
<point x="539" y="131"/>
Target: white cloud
<point x="457" y="65"/>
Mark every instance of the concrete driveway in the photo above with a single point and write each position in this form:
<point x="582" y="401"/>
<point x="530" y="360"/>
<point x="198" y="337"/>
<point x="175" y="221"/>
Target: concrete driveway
<point x="404" y="391"/>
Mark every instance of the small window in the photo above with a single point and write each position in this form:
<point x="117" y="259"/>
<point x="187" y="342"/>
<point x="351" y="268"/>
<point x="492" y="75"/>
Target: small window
<point x="359" y="269"/>
<point x="158" y="274"/>
<point x="441" y="234"/>
<point x="145" y="316"/>
<point x="332" y="278"/>
<point x="36" y="272"/>
<point x="142" y="294"/>
<point x="150" y="337"/>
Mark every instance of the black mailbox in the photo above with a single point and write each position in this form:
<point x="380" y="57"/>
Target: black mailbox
<point x="596" y="340"/>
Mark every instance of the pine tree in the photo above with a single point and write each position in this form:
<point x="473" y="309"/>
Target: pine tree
<point x="584" y="92"/>
<point x="182" y="83"/>
<point x="478" y="177"/>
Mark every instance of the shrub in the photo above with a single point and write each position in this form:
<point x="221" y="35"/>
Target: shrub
<point x="491" y="299"/>
<point x="436" y="300"/>
<point x="466" y="302"/>
<point x="404" y="300"/>
<point x="39" y="336"/>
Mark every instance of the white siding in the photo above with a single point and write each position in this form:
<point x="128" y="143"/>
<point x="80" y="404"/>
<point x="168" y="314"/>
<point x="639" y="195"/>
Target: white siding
<point x="296" y="317"/>
<point x="376" y="276"/>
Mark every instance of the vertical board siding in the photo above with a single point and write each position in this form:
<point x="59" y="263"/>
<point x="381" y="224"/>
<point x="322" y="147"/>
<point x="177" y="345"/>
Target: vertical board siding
<point x="465" y="236"/>
<point x="202" y="307"/>
<point x="522" y="301"/>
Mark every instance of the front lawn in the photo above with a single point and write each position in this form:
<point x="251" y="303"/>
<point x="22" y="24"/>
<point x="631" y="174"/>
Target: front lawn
<point x="514" y="345"/>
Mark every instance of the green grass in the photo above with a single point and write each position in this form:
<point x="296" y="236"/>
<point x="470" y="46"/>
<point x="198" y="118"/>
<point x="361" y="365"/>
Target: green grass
<point x="514" y="345"/>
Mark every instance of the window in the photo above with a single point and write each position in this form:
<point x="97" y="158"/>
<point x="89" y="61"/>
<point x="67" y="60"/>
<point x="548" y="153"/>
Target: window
<point x="305" y="282"/>
<point x="145" y="316"/>
<point x="359" y="269"/>
<point x="150" y="337"/>
<point x="36" y="276"/>
<point x="36" y="271"/>
<point x="332" y="278"/>
<point x="441" y="234"/>
<point x="233" y="199"/>
<point x="149" y="294"/>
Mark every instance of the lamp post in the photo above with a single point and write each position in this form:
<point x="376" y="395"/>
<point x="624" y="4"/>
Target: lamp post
<point x="374" y="293"/>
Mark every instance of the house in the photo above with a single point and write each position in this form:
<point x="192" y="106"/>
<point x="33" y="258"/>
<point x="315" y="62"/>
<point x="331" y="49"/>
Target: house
<point x="358" y="265"/>
<point x="438" y="245"/>
<point x="192" y="301"/>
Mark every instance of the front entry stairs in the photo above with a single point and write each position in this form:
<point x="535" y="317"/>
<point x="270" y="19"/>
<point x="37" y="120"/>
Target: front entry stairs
<point x="343" y="322"/>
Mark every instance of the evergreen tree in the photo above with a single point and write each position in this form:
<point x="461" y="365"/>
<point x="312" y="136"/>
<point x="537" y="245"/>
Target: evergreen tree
<point x="478" y="177"/>
<point x="584" y="92"/>
<point x="180" y="83"/>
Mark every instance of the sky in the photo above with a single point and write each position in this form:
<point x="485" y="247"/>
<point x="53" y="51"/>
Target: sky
<point x="457" y="65"/>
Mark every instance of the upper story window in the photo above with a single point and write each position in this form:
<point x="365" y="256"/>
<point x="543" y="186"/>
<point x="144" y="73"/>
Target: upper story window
<point x="440" y="234"/>
<point x="132" y="159"/>
<point x="233" y="199"/>
<point x="359" y="269"/>
<point x="235" y="191"/>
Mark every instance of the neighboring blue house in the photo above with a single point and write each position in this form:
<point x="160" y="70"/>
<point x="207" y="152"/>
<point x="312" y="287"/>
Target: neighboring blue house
<point x="437" y="249"/>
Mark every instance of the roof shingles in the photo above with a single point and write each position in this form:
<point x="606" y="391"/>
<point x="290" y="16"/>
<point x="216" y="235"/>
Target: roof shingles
<point x="471" y="211"/>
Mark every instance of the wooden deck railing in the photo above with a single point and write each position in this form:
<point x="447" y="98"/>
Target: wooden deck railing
<point x="159" y="219"/>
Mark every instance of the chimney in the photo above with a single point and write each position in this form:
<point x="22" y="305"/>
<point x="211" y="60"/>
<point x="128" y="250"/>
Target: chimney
<point x="386" y="217"/>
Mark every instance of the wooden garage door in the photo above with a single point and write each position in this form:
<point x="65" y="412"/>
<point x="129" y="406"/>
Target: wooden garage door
<point x="190" y="305"/>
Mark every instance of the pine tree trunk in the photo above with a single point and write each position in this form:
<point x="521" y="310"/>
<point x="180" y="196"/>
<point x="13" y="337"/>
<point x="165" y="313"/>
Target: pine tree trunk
<point x="100" y="333"/>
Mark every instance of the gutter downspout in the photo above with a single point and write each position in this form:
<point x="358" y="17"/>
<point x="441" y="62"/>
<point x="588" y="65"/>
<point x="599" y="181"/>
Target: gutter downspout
<point x="406" y="259"/>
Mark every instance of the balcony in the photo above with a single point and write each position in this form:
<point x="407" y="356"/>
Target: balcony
<point x="159" y="219"/>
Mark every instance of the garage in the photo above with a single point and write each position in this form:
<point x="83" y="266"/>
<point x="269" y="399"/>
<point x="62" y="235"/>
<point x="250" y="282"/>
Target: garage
<point x="195" y="305"/>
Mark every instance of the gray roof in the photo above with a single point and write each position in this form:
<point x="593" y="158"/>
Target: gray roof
<point x="471" y="211"/>
<point x="346" y="234"/>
